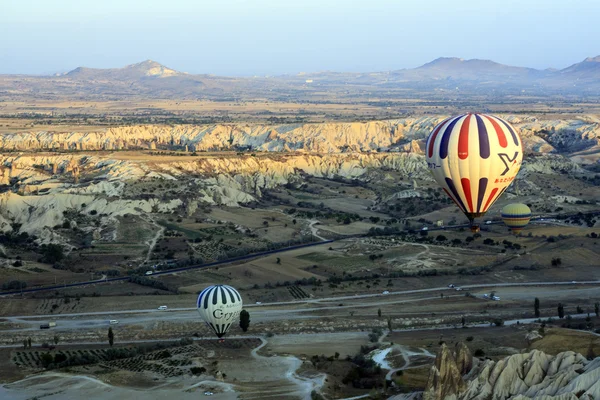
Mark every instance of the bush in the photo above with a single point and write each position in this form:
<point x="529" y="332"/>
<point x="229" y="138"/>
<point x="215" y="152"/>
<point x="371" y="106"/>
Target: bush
<point x="52" y="253"/>
<point x="14" y="285"/>
<point x="197" y="370"/>
<point x="479" y="353"/>
<point x="469" y="338"/>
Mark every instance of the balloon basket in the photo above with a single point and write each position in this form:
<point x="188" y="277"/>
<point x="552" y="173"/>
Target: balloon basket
<point x="475" y="228"/>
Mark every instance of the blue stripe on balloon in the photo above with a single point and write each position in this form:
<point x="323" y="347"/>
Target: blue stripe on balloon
<point x="446" y="137"/>
<point x="207" y="297"/>
<point x="484" y="142"/>
<point x="481" y="193"/>
<point x="215" y="294"/>
<point x="455" y="193"/>
<point x="229" y="290"/>
<point x="512" y="132"/>
<point x="202" y="293"/>
<point x="223" y="295"/>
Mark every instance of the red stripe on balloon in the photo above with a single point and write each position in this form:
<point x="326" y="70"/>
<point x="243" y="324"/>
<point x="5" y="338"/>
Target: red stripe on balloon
<point x="499" y="131"/>
<point x="434" y="135"/>
<point x="463" y="139"/>
<point x="489" y="201"/>
<point x="466" y="185"/>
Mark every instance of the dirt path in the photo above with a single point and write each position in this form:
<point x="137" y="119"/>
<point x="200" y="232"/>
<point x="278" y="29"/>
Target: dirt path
<point x="313" y="230"/>
<point x="151" y="243"/>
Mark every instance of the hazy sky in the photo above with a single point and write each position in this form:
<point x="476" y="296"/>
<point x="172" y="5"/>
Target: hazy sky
<point x="237" y="37"/>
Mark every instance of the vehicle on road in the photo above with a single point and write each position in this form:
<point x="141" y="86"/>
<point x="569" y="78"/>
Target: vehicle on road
<point x="458" y="289"/>
<point x="113" y="322"/>
<point x="496" y="298"/>
<point x="573" y="281"/>
<point x="424" y="228"/>
<point x="149" y="272"/>
<point x="259" y="303"/>
<point x="451" y="286"/>
<point x="486" y="296"/>
<point x="162" y="308"/>
<point x="208" y="393"/>
<point x="386" y="292"/>
<point x="488" y="222"/>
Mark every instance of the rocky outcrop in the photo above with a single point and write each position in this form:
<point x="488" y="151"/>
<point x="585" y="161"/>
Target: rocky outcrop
<point x="445" y="378"/>
<point x="533" y="375"/>
<point x="463" y="357"/>
<point x="407" y="135"/>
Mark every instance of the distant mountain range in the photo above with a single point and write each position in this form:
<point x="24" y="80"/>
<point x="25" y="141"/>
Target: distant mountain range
<point x="440" y="78"/>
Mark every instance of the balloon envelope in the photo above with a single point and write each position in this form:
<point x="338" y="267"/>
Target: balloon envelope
<point x="220" y="307"/>
<point x="474" y="157"/>
<point x="516" y="216"/>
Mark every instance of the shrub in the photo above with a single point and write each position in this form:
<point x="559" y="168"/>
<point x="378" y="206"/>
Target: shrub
<point x="197" y="370"/>
<point x="479" y="353"/>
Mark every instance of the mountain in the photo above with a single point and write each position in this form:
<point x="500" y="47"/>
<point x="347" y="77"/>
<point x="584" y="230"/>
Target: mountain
<point x="588" y="69"/>
<point x="145" y="69"/>
<point x="437" y="80"/>
<point x="458" y="68"/>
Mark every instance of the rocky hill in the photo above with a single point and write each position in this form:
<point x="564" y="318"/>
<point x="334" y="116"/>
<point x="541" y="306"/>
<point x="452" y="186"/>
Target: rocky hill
<point x="440" y="79"/>
<point x="533" y="375"/>
<point x="539" y="136"/>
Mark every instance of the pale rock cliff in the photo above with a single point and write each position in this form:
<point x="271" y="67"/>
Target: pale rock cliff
<point x="533" y="375"/>
<point x="408" y="134"/>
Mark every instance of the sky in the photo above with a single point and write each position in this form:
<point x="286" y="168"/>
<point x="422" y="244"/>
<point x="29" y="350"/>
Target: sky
<point x="273" y="37"/>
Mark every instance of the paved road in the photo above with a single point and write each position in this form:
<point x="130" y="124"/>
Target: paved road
<point x="330" y="299"/>
<point x="313" y="308"/>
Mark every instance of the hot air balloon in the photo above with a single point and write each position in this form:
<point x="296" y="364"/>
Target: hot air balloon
<point x="219" y="306"/>
<point x="474" y="157"/>
<point x="516" y="216"/>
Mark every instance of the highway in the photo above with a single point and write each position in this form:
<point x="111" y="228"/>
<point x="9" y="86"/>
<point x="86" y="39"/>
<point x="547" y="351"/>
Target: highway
<point x="312" y="308"/>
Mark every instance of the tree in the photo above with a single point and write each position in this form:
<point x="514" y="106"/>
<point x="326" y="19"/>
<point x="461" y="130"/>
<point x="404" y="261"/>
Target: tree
<point x="46" y="359"/>
<point x="379" y="312"/>
<point x="536" y="307"/>
<point x="111" y="337"/>
<point x="579" y="310"/>
<point x="29" y="342"/>
<point x="561" y="311"/>
<point x="278" y="261"/>
<point x="389" y="324"/>
<point x="244" y="320"/>
<point x="56" y="340"/>
<point x="52" y="253"/>
<point x="597" y="309"/>
<point x="463" y="321"/>
<point x="24" y="343"/>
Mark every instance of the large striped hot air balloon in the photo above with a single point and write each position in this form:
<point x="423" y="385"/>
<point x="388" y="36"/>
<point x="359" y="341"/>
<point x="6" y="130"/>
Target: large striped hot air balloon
<point x="219" y="306"/>
<point x="516" y="216"/>
<point x="474" y="157"/>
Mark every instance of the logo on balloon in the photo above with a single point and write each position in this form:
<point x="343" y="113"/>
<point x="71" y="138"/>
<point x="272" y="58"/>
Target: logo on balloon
<point x="507" y="161"/>
<point x="220" y="314"/>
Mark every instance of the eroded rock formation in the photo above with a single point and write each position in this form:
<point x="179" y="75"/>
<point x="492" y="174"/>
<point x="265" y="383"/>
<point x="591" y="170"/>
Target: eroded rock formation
<point x="533" y="375"/>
